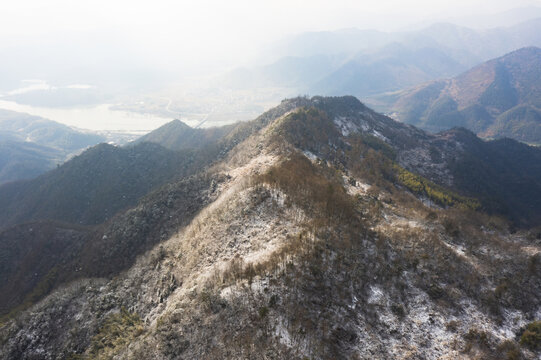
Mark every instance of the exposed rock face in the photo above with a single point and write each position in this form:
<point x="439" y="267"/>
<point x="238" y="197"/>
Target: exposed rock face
<point x="301" y="242"/>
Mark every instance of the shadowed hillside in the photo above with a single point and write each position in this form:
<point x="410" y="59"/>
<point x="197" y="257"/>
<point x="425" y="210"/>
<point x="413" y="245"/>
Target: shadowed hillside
<point x="30" y="145"/>
<point x="93" y="186"/>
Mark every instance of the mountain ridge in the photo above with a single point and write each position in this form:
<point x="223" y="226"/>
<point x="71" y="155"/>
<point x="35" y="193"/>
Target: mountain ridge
<point x="297" y="243"/>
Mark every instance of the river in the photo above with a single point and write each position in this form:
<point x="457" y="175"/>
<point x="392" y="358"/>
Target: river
<point x="98" y="117"/>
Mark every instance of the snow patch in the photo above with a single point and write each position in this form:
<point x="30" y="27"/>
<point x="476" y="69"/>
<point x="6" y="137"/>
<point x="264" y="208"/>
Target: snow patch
<point x="283" y="335"/>
<point x="345" y="125"/>
<point x="376" y="296"/>
<point x="311" y="156"/>
<point x="379" y="136"/>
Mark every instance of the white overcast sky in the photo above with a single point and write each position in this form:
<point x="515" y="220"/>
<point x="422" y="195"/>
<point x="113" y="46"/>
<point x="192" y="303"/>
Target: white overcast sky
<point x="230" y="29"/>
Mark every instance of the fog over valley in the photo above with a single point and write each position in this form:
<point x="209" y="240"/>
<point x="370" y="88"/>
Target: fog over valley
<point x="233" y="61"/>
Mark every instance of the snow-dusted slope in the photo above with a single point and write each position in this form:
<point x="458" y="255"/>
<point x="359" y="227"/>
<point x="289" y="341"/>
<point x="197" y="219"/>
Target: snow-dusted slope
<point x="304" y="247"/>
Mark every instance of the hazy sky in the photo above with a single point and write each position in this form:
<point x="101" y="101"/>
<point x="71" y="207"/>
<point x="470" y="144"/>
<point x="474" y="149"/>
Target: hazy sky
<point x="195" y="32"/>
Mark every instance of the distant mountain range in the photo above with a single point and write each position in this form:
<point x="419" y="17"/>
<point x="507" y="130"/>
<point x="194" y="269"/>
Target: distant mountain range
<point x="393" y="67"/>
<point x="367" y="63"/>
<point x="30" y="145"/>
<point x="499" y="98"/>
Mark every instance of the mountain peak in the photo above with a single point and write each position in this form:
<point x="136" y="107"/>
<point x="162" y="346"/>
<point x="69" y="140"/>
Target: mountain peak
<point x="522" y="54"/>
<point x="173" y="125"/>
<point x="177" y="123"/>
<point x="526" y="49"/>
